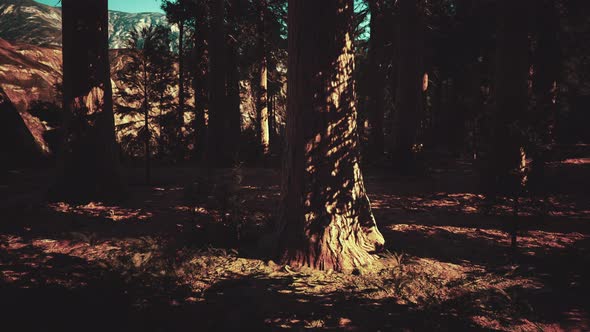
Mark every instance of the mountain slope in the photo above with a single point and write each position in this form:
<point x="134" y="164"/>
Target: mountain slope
<point x="29" y="22"/>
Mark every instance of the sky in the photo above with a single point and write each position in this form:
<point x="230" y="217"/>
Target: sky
<point x="130" y="6"/>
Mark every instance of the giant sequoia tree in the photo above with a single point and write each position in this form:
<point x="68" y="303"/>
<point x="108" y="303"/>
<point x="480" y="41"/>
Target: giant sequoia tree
<point x="89" y="162"/>
<point x="326" y="221"/>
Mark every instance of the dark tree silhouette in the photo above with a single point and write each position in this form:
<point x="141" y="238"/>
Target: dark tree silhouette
<point x="201" y="76"/>
<point x="216" y="153"/>
<point x="178" y="12"/>
<point x="376" y="89"/>
<point x="89" y="164"/>
<point x="511" y="95"/>
<point x="326" y="220"/>
<point x="409" y="85"/>
<point x="148" y="73"/>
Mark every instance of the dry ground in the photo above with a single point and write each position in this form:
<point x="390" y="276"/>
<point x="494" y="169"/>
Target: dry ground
<point x="169" y="259"/>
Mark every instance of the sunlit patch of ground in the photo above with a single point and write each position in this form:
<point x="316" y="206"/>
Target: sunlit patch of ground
<point x="97" y="209"/>
<point x="577" y="161"/>
<point x="528" y="240"/>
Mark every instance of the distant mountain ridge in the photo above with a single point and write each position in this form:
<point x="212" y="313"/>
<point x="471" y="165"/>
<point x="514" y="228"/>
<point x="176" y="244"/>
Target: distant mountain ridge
<point x="30" y="22"/>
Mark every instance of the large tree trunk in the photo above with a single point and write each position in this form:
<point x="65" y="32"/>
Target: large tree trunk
<point x="89" y="164"/>
<point x="409" y="85"/>
<point x="377" y="79"/>
<point x="511" y="93"/>
<point x="262" y="98"/>
<point x="326" y="220"/>
<point x="200" y="82"/>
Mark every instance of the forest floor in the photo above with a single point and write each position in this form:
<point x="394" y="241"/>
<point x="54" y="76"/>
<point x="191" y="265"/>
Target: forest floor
<point x="169" y="260"/>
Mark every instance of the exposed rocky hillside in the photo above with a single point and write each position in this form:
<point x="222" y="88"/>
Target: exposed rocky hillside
<point x="29" y="73"/>
<point x="30" y="22"/>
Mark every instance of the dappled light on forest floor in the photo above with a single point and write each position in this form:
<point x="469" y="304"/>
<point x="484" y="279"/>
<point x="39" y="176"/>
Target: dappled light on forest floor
<point x="577" y="161"/>
<point x="97" y="209"/>
<point x="531" y="239"/>
<point x="447" y="264"/>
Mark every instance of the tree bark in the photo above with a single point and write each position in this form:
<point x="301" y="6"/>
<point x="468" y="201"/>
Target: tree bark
<point x="326" y="220"/>
<point x="89" y="162"/>
<point x="262" y="100"/>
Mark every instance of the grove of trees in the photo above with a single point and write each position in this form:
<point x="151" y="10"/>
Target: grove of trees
<point x="328" y="87"/>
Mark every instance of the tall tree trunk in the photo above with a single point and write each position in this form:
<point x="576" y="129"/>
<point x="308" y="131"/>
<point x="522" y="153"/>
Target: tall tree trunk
<point x="326" y="220"/>
<point x="511" y="92"/>
<point x="216" y="147"/>
<point x="148" y="152"/>
<point x="89" y="164"/>
<point x="546" y="67"/>
<point x="234" y="114"/>
<point x="181" y="102"/>
<point x="200" y="82"/>
<point x="376" y="79"/>
<point x="146" y="125"/>
<point x="262" y="100"/>
<point x="409" y="85"/>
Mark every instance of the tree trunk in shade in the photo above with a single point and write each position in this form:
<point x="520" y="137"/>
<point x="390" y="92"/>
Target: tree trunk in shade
<point x="200" y="79"/>
<point x="89" y="162"/>
<point x="326" y="220"/>
<point x="234" y="114"/>
<point x="377" y="79"/>
<point x="511" y="94"/>
<point x="217" y="78"/>
<point x="546" y="67"/>
<point x="409" y="85"/>
<point x="181" y="96"/>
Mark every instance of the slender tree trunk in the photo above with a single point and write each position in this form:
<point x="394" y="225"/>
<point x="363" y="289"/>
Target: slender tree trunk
<point x="326" y="220"/>
<point x="511" y="92"/>
<point x="216" y="147"/>
<point x="181" y="101"/>
<point x="234" y="114"/>
<point x="409" y="86"/>
<point x="262" y="100"/>
<point x="200" y="82"/>
<point x="271" y="123"/>
<point x="146" y="124"/>
<point x="89" y="161"/>
<point x="376" y="79"/>
<point x="546" y="67"/>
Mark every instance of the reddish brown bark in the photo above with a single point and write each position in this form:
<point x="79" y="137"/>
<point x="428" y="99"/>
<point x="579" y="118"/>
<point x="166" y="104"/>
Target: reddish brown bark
<point x="326" y="221"/>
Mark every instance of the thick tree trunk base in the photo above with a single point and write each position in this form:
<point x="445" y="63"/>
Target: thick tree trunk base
<point x="343" y="245"/>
